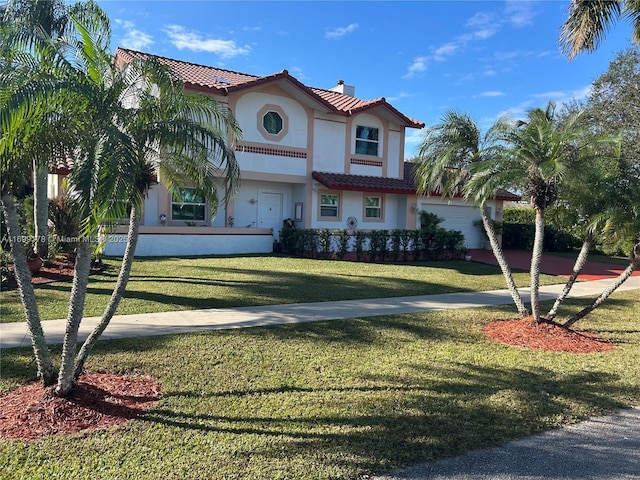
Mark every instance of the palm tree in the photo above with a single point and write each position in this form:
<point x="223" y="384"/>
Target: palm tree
<point x="588" y="192"/>
<point x="541" y="152"/>
<point x="589" y="20"/>
<point x="140" y="121"/>
<point x="25" y="93"/>
<point x="447" y="156"/>
<point x="179" y="138"/>
<point x="30" y="19"/>
<point x="121" y="121"/>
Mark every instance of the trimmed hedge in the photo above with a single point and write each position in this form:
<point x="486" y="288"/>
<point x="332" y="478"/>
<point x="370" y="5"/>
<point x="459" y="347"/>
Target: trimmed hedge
<point x="379" y="245"/>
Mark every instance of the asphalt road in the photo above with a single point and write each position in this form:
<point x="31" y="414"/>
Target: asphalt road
<point x="602" y="448"/>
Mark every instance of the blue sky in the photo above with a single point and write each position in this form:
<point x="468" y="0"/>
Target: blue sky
<point x="485" y="58"/>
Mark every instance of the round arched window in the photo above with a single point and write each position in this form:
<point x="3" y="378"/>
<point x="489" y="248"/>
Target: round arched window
<point x="272" y="122"/>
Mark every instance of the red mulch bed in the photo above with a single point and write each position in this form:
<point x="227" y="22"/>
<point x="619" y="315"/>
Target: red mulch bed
<point x="549" y="336"/>
<point x="99" y="400"/>
<point x="59" y="269"/>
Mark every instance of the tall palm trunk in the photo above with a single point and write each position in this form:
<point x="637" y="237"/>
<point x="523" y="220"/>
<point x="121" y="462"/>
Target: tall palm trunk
<point x="504" y="266"/>
<point x="635" y="262"/>
<point x="577" y="268"/>
<point x="27" y="293"/>
<point x="74" y="317"/>
<point x="536" y="259"/>
<point x="41" y="210"/>
<point x="116" y="296"/>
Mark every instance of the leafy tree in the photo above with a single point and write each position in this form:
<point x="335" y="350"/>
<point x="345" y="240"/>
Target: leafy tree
<point x="607" y="195"/>
<point x="447" y="156"/>
<point x="621" y="223"/>
<point x="589" y="20"/>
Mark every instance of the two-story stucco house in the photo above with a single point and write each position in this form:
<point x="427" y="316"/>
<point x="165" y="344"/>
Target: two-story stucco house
<point x="321" y="157"/>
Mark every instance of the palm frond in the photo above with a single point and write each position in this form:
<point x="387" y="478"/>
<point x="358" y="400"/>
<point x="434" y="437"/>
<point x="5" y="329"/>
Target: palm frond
<point x="587" y="23"/>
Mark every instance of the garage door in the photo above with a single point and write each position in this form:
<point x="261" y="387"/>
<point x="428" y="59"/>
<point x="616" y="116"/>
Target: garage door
<point x="460" y="218"/>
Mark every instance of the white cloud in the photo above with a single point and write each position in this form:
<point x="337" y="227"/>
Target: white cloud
<point x="412" y="140"/>
<point x="508" y="55"/>
<point x="519" y="13"/>
<point x="296" y="72"/>
<point x="133" y="38"/>
<point x="448" y="49"/>
<point x="400" y="96"/>
<point x="482" y="27"/>
<point x="480" y="19"/>
<point x="341" y="31"/>
<point x="517" y="112"/>
<point x="561" y="96"/>
<point x="419" y="65"/>
<point x="196" y="42"/>
<point x="540" y="100"/>
<point x="491" y="93"/>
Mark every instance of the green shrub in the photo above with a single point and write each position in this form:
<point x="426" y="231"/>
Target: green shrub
<point x="517" y="236"/>
<point x="359" y="243"/>
<point x="324" y="241"/>
<point x="519" y="215"/>
<point x="416" y="241"/>
<point x="66" y="225"/>
<point x="396" y="244"/>
<point x="342" y="238"/>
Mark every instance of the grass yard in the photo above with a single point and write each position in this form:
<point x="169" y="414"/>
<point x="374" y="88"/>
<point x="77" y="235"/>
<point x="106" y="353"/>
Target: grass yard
<point x="334" y="399"/>
<point x="165" y="284"/>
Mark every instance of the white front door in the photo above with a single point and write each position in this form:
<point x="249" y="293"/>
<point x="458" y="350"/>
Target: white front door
<point x="270" y="211"/>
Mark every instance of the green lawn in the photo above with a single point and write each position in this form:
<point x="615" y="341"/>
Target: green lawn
<point x="158" y="285"/>
<point x="334" y="399"/>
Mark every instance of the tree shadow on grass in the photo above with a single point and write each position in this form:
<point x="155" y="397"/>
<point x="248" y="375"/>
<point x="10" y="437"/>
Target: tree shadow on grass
<point x="368" y="331"/>
<point x="374" y="428"/>
<point x="270" y="289"/>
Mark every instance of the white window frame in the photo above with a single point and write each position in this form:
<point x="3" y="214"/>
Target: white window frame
<point x="322" y="206"/>
<point x="203" y="204"/>
<point x="368" y="141"/>
<point x="379" y="208"/>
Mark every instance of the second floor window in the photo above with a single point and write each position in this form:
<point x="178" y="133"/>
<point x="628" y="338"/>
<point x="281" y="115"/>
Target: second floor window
<point x="272" y="122"/>
<point x="366" y="140"/>
<point x="329" y="204"/>
<point x="188" y="205"/>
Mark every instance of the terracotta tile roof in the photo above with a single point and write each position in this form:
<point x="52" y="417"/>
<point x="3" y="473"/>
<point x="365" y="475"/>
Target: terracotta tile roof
<point x="193" y="73"/>
<point x="227" y="81"/>
<point x="351" y="105"/>
<point x="366" y="183"/>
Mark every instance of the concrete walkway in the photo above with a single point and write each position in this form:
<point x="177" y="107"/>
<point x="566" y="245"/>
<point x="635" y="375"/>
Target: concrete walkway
<point x="166" y="323"/>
